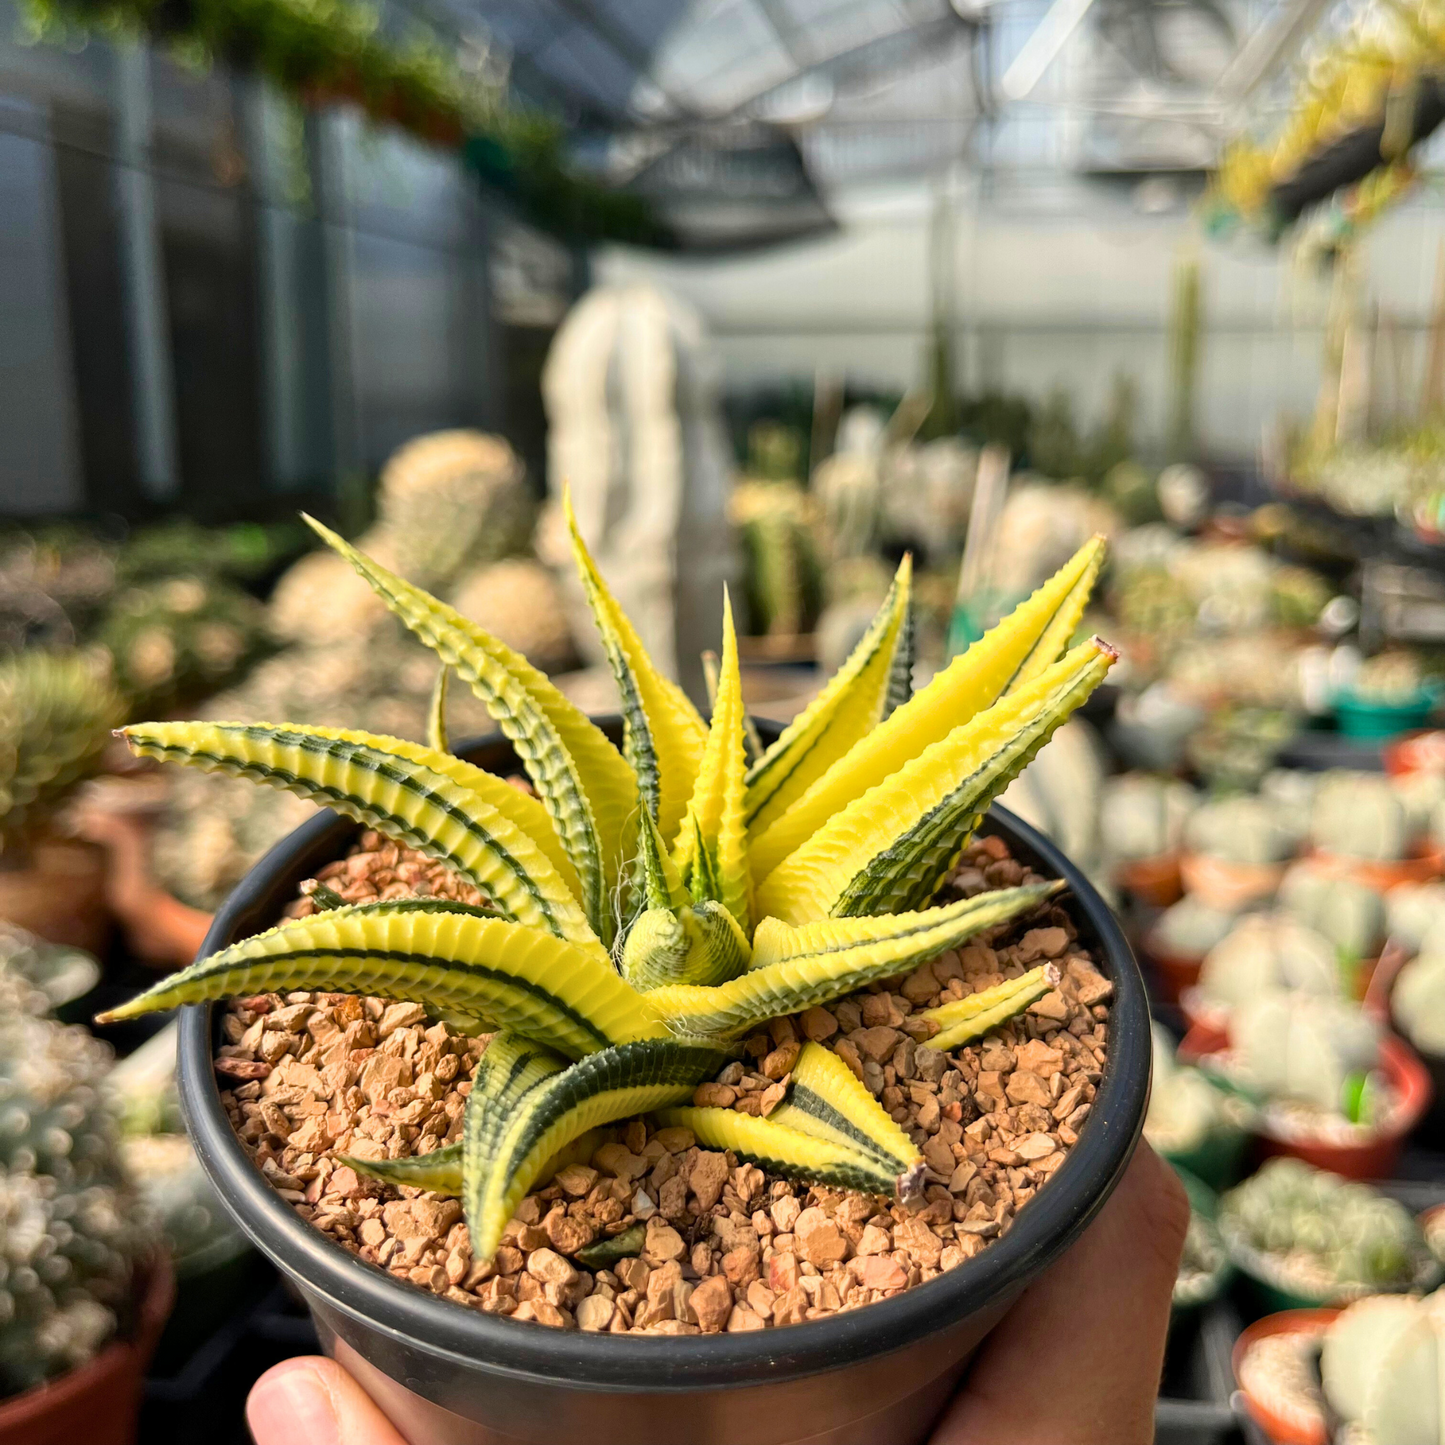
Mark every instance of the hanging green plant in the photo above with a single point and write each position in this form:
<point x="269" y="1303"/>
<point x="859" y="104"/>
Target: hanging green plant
<point x="326" y="51"/>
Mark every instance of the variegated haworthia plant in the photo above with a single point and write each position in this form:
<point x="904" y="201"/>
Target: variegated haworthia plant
<point x="650" y="905"/>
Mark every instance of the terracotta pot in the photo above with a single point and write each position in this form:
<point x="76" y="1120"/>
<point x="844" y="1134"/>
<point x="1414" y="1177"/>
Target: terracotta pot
<point x="1281" y="1429"/>
<point x="98" y="1403"/>
<point x="1174" y="973"/>
<point x="60" y="895"/>
<point x="1227" y="886"/>
<point x="1427" y="863"/>
<point x="1415" y="752"/>
<point x="1375" y="1158"/>
<point x="1155" y="881"/>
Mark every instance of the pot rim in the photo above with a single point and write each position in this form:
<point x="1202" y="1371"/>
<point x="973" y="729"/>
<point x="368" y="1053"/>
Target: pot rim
<point x="1054" y="1218"/>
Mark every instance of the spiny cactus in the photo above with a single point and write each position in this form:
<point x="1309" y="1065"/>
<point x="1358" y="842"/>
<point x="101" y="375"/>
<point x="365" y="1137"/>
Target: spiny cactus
<point x="56" y="713"/>
<point x="69" y="1225"/>
<point x="784" y="577"/>
<point x="648" y="907"/>
<point x="1322" y="1236"/>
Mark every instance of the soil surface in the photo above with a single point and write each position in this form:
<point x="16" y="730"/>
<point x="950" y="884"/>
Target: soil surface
<point x="307" y="1077"/>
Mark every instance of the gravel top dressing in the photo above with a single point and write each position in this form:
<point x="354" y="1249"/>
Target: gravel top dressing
<point x="651" y="1234"/>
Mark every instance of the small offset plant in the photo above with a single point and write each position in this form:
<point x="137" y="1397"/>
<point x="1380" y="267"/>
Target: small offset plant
<point x="650" y="906"/>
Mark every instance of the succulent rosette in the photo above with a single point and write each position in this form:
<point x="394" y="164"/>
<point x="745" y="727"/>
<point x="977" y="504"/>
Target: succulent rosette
<point x="649" y="905"/>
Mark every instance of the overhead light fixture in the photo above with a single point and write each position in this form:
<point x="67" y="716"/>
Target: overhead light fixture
<point x="1042" y="48"/>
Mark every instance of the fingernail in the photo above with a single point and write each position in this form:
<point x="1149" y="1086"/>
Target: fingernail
<point x="291" y="1406"/>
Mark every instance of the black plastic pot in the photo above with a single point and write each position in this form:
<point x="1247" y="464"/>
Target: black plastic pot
<point x="447" y="1375"/>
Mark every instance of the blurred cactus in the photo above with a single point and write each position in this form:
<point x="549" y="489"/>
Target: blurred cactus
<point x="1347" y="913"/>
<point x="784" y="578"/>
<point x="1418" y="1002"/>
<point x="1144" y="816"/>
<point x="177" y="640"/>
<point x="519" y="602"/>
<point x="57" y="710"/>
<point x="1359" y="815"/>
<point x="1316" y="1050"/>
<point x="1191" y="927"/>
<point x="1322" y="1236"/>
<point x="70" y="1228"/>
<point x="1265" y="952"/>
<point x="1239" y="830"/>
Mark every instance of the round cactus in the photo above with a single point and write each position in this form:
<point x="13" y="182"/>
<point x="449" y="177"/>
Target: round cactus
<point x="1349" y="914"/>
<point x="1359" y="815"/>
<point x="1383" y="1368"/>
<point x="1304" y="1048"/>
<point x="1191" y="927"/>
<point x="1184" y="1107"/>
<point x="1143" y="816"/>
<point x="1265" y="952"/>
<point x="1239" y="830"/>
<point x="1418" y="1003"/>
<point x="1414" y="909"/>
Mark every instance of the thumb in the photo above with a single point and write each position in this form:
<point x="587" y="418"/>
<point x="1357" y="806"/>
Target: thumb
<point x="313" y="1401"/>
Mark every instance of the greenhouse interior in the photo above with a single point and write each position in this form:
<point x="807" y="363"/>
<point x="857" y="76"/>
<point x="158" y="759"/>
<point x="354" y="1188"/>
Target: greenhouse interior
<point x="518" y="518"/>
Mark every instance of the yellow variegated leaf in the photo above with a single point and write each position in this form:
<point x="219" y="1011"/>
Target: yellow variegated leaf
<point x="781" y="1150"/>
<point x="500" y="1165"/>
<point x="583" y="781"/>
<point x="436" y="716"/>
<point x="496" y="835"/>
<point x="974" y="1015"/>
<point x="818" y="964"/>
<point x="711" y="853"/>
<point x="825" y="1099"/>
<point x="665" y="737"/>
<point x="432" y="952"/>
<point x="888" y="850"/>
<point x="1009" y="655"/>
<point x="848" y="708"/>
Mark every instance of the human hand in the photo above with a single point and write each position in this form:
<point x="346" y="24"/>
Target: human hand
<point x="1075" y="1362"/>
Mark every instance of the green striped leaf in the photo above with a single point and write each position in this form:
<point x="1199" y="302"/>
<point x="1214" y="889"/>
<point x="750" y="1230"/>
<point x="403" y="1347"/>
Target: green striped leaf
<point x="584" y="783"/>
<point x="823" y="961"/>
<point x="509" y="976"/>
<point x="500" y="1167"/>
<point x="780" y="1150"/>
<point x="494" y="834"/>
<point x="888" y="851"/>
<point x="973" y="1016"/>
<point x="440" y="1171"/>
<point x="664" y="738"/>
<point x="862" y="692"/>
<point x="827" y="1100"/>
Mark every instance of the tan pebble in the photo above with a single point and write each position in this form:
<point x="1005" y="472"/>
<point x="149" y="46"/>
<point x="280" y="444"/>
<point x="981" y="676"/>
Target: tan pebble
<point x="545" y="1313"/>
<point x="549" y="1267"/>
<point x="619" y="1161"/>
<point x="633" y="1272"/>
<point x="818" y="1024"/>
<point x="779" y="1063"/>
<point x="820" y="1241"/>
<point x="714" y="1096"/>
<point x="781" y="1031"/>
<point x="567" y="1233"/>
<point x="791" y="1307"/>
<point x="740" y="1320"/>
<point x="922" y="1244"/>
<point x="875" y="1044"/>
<point x="921" y="984"/>
<point x="1053" y="1005"/>
<point x="1039" y="1058"/>
<point x="1034" y="1146"/>
<point x="663" y="1242"/>
<point x="1040" y="943"/>
<point x="509" y="1259"/>
<point x="741" y="1266"/>
<point x="782" y="1271"/>
<point x="785" y="1212"/>
<point x="372" y="1232"/>
<point x="711" y="1303"/>
<point x="848" y="1052"/>
<point x="874" y="1240"/>
<point x="959" y="1180"/>
<point x="595" y="1313"/>
<point x="928" y="1113"/>
<point x="939" y="1157"/>
<point x="878" y="1011"/>
<point x="1026" y="1088"/>
<point x="575" y="1180"/>
<point x="881" y="1271"/>
<point x="707" y="1177"/>
<point x="771" y="1097"/>
<point x="675" y="1140"/>
<point x="760" y="1298"/>
<point x="399" y="1016"/>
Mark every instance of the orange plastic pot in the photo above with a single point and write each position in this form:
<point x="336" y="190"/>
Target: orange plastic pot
<point x="1427" y="863"/>
<point x="1281" y="1429"/>
<point x="1375" y="1158"/>
<point x="98" y="1403"/>
<point x="1228" y="886"/>
<point x="1174" y="973"/>
<point x="1155" y="881"/>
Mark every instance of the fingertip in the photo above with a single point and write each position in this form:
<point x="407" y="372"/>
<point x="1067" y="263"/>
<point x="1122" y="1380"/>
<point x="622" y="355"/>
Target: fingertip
<point x="291" y="1405"/>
